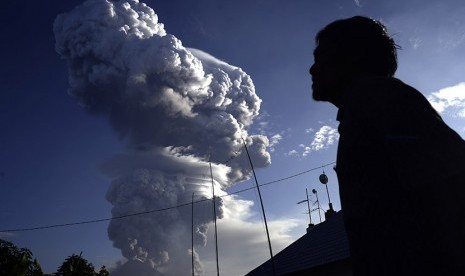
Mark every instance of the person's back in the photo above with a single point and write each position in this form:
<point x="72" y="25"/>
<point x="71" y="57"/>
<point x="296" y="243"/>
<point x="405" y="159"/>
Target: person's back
<point x="397" y="162"/>
<point x="401" y="169"/>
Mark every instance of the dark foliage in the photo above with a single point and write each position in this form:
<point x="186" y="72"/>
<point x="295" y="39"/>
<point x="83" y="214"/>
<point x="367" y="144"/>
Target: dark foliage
<point x="17" y="261"/>
<point x="76" y="265"/>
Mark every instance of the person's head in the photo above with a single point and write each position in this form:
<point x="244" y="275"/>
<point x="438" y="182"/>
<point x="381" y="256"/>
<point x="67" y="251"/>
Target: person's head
<point x="349" y="48"/>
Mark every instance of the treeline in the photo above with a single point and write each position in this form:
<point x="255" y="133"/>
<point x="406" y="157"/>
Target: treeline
<point x="16" y="261"/>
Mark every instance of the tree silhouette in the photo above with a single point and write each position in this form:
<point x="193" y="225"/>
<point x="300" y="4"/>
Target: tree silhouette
<point x="17" y="261"/>
<point x="76" y="265"/>
<point x="103" y="272"/>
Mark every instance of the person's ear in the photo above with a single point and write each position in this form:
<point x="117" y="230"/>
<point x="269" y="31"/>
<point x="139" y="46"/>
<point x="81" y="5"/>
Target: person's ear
<point x="357" y="59"/>
<point x="357" y="55"/>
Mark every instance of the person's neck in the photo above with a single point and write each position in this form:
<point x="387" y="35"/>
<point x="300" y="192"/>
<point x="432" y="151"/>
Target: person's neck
<point x="351" y="83"/>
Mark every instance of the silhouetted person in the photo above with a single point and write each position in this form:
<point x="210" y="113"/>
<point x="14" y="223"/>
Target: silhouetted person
<point x="401" y="169"/>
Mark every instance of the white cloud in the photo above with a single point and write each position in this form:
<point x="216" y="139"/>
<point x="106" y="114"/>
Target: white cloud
<point x="324" y="138"/>
<point x="242" y="241"/>
<point x="449" y="100"/>
<point x="274" y="141"/>
<point x="357" y="3"/>
<point x="307" y="151"/>
<point x="263" y="124"/>
<point x="292" y="152"/>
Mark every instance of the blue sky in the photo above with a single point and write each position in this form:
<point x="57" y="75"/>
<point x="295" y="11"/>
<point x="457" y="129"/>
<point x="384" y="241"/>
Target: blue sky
<point x="52" y="150"/>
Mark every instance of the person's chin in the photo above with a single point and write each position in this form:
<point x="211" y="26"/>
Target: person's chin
<point x="318" y="94"/>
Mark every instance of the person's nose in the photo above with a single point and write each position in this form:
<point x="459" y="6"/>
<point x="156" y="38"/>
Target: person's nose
<point x="312" y="69"/>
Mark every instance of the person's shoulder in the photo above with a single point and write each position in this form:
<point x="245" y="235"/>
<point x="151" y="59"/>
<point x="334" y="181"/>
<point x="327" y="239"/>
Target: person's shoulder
<point x="376" y="94"/>
<point x="380" y="83"/>
<point x="383" y="88"/>
<point x="370" y="88"/>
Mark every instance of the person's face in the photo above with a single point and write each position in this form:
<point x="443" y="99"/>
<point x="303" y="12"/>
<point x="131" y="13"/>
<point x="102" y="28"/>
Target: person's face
<point x="329" y="73"/>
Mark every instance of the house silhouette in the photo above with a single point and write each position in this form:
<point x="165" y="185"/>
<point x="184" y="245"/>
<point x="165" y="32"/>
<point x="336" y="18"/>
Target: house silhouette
<point x="323" y="250"/>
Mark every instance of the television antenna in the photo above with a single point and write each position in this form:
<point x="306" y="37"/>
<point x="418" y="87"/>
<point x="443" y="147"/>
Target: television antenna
<point x="318" y="202"/>
<point x="308" y="205"/>
<point x="324" y="180"/>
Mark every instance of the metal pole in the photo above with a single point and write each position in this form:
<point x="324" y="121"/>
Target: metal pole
<point x="214" y="219"/>
<point x="263" y="209"/>
<point x="193" y="273"/>
<point x="308" y="205"/>
<point x="318" y="202"/>
<point x="327" y="191"/>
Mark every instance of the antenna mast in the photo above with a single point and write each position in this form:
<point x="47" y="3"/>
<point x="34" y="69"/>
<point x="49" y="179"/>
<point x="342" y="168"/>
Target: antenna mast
<point x="308" y="205"/>
<point x="214" y="219"/>
<point x="263" y="208"/>
<point x="192" y="233"/>
<point x="324" y="181"/>
<point x="318" y="202"/>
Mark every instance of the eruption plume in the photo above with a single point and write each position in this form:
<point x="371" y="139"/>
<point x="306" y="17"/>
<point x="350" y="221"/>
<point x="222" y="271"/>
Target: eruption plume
<point x="177" y="108"/>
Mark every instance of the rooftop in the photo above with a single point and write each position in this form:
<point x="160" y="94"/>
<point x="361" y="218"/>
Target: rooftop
<point x="325" y="243"/>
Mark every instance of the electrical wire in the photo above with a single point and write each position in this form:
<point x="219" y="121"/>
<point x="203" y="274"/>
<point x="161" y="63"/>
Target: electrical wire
<point x="157" y="210"/>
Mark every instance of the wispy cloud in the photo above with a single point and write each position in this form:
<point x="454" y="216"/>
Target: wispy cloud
<point x="274" y="141"/>
<point x="449" y="100"/>
<point x="449" y="41"/>
<point x="262" y="123"/>
<point x="322" y="139"/>
<point x="292" y="152"/>
<point x="358" y="3"/>
<point x="415" y="42"/>
<point x="309" y="130"/>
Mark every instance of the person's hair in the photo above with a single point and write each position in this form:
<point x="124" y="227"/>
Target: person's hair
<point x="366" y="37"/>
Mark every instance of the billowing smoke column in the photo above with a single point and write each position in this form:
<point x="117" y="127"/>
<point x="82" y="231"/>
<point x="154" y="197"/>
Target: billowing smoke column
<point x="177" y="108"/>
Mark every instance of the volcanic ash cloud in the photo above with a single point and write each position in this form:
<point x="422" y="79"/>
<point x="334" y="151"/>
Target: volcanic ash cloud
<point x="177" y="109"/>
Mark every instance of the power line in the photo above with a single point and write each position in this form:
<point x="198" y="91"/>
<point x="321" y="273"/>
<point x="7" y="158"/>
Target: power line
<point x="158" y="210"/>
